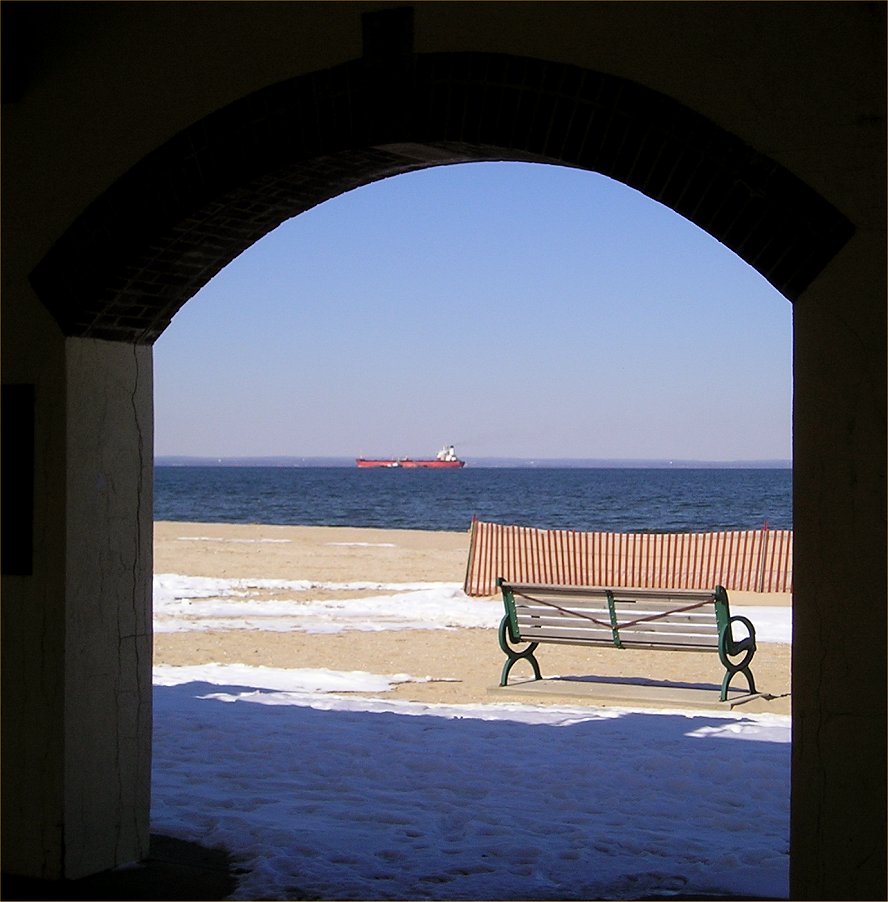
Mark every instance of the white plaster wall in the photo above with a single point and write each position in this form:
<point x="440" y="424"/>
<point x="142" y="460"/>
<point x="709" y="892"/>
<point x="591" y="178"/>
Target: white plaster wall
<point x="108" y="638"/>
<point x="838" y="788"/>
<point x="33" y="607"/>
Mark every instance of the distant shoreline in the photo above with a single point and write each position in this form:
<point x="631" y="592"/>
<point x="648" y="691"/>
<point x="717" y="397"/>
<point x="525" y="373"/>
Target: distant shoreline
<point x="485" y="463"/>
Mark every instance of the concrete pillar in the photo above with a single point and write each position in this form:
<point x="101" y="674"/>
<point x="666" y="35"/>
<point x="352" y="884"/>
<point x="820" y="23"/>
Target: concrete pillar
<point x="838" y="656"/>
<point x="78" y="714"/>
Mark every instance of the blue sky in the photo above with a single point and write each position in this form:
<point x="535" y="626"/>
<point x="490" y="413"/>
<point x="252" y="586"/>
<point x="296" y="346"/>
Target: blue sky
<point x="512" y="309"/>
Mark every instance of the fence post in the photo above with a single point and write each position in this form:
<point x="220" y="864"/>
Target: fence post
<point x="467" y="582"/>
<point x="761" y="580"/>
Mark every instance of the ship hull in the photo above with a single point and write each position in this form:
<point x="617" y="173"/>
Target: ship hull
<point x="407" y="463"/>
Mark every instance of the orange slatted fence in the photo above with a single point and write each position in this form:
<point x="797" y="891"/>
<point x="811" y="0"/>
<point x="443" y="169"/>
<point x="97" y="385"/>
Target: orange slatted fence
<point x="748" y="561"/>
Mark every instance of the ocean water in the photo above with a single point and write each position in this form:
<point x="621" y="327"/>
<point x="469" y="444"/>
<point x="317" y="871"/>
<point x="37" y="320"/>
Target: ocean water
<point x="606" y="500"/>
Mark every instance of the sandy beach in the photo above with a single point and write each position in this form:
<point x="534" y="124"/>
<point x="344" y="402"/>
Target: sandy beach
<point x="463" y="665"/>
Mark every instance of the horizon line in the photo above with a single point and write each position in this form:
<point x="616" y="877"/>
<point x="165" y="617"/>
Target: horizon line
<point x="343" y="460"/>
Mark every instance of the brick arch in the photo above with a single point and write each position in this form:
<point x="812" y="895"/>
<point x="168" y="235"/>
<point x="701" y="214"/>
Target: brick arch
<point x="161" y="232"/>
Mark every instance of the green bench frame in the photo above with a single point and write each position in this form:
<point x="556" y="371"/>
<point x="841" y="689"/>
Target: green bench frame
<point x="665" y="619"/>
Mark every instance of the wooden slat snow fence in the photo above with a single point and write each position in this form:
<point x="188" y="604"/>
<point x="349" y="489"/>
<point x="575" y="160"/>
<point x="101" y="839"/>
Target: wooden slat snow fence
<point x="745" y="561"/>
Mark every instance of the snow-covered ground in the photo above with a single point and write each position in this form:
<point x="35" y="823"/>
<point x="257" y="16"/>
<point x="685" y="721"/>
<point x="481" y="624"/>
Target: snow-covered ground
<point x="326" y="795"/>
<point x="184" y="603"/>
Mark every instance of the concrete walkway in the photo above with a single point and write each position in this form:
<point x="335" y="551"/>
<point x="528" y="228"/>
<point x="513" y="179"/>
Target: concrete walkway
<point x="647" y="694"/>
<point x="178" y="870"/>
<point x="174" y="870"/>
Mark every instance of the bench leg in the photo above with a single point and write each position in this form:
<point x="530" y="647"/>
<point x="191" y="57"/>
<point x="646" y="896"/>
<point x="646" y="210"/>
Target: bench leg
<point x="514" y="656"/>
<point x="729" y="648"/>
<point x="730" y="674"/>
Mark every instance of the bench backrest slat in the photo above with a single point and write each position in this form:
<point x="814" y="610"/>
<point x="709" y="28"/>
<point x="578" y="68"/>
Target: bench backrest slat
<point x="532" y="630"/>
<point x="564" y="628"/>
<point x="685" y="620"/>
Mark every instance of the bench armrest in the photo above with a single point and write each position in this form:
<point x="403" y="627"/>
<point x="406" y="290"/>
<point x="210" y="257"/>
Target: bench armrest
<point x="728" y="647"/>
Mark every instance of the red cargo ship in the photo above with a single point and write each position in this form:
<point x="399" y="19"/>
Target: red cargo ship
<point x="445" y="459"/>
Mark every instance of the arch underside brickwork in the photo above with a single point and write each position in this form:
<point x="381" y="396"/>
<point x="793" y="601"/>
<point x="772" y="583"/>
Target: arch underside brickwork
<point x="138" y="253"/>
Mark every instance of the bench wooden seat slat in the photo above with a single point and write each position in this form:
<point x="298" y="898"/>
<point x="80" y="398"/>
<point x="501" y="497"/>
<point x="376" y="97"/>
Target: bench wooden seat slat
<point x="641" y="640"/>
<point x="566" y="633"/>
<point x="597" y="616"/>
<point x="569" y="640"/>
<point x="607" y="642"/>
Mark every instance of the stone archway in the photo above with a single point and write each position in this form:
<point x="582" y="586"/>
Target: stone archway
<point x="114" y="280"/>
<point x="168" y="226"/>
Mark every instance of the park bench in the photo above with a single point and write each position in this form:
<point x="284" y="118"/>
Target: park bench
<point x="665" y="619"/>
